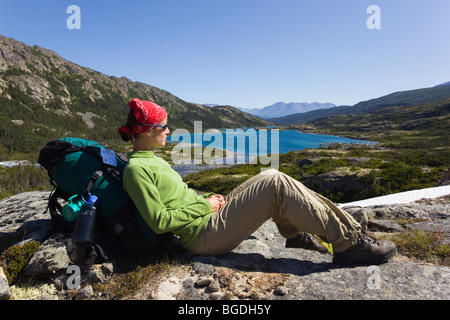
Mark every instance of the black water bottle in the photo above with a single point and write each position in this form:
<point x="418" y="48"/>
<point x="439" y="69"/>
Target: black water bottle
<point x="84" y="231"/>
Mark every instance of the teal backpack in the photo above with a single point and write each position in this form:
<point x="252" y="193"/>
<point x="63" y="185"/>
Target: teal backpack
<point x="78" y="168"/>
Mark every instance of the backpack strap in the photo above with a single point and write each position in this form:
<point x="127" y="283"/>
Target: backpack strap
<point x="57" y="222"/>
<point x="108" y="167"/>
<point x="95" y="176"/>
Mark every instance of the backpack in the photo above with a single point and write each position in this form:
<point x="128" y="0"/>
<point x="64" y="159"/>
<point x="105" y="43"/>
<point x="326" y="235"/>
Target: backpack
<point x="81" y="167"/>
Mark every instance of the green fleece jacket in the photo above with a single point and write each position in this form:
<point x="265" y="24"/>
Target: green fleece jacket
<point x="163" y="199"/>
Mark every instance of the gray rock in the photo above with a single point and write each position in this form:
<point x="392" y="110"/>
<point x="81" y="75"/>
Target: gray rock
<point x="85" y="293"/>
<point x="4" y="286"/>
<point x="203" y="281"/>
<point x="260" y="267"/>
<point x="409" y="211"/>
<point x="23" y="218"/>
<point x="188" y="291"/>
<point x="50" y="257"/>
<point x="384" y="226"/>
<point x="202" y="268"/>
<point x="280" y="291"/>
<point x="396" y="280"/>
<point x="214" y="286"/>
<point x="312" y="275"/>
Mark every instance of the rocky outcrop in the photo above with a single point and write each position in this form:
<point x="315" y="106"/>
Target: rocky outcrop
<point x="335" y="180"/>
<point x="260" y="268"/>
<point x="344" y="179"/>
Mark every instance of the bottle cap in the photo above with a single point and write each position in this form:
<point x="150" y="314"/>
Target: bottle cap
<point x="92" y="199"/>
<point x="70" y="212"/>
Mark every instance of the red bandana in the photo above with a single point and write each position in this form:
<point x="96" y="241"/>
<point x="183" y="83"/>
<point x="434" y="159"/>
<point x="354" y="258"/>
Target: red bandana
<point x="146" y="112"/>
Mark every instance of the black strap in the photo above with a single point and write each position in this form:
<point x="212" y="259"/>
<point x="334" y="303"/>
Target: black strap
<point x="57" y="222"/>
<point x="111" y="169"/>
<point x="95" y="176"/>
<point x="100" y="252"/>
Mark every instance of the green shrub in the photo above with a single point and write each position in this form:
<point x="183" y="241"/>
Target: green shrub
<point x="15" y="258"/>
<point x="22" y="178"/>
<point x="424" y="245"/>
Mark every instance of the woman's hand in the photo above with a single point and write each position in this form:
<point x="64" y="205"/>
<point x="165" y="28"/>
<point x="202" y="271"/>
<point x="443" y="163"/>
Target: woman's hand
<point x="217" y="201"/>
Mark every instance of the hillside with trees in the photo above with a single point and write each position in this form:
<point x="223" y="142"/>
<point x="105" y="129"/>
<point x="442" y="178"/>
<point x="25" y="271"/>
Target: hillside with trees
<point x="44" y="97"/>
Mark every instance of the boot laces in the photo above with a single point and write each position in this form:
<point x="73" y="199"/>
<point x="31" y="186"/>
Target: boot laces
<point x="365" y="237"/>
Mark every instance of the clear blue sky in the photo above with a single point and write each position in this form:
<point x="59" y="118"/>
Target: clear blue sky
<point x="248" y="53"/>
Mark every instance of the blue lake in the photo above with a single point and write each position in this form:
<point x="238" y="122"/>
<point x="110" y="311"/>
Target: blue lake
<point x="253" y="142"/>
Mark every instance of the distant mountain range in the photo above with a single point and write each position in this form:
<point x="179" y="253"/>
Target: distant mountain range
<point x="282" y="113"/>
<point x="281" y="109"/>
<point x="403" y="98"/>
<point x="444" y="84"/>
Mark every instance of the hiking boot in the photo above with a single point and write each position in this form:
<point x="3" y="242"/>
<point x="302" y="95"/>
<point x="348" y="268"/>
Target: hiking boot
<point x="367" y="251"/>
<point x="305" y="241"/>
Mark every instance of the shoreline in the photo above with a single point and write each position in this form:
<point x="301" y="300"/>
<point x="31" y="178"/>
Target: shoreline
<point x="295" y="143"/>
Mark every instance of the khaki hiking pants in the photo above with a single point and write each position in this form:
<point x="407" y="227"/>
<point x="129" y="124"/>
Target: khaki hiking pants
<point x="293" y="207"/>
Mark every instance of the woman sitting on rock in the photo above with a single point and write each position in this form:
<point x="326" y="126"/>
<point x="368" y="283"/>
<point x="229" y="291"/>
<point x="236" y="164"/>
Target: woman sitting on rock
<point x="212" y="224"/>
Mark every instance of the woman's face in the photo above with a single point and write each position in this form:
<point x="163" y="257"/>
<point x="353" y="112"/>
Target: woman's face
<point x="158" y="135"/>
